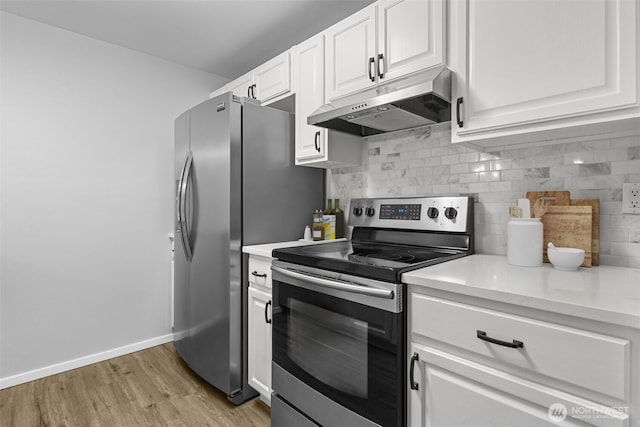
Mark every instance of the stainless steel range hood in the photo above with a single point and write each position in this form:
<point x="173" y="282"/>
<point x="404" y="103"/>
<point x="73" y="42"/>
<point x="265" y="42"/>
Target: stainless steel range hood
<point x="418" y="100"/>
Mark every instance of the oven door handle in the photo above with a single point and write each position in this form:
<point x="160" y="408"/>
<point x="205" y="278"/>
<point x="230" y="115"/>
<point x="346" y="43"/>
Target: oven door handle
<point x="347" y="287"/>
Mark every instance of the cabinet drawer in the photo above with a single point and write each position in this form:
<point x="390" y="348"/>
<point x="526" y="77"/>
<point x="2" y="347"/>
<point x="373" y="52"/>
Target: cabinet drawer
<point x="579" y="357"/>
<point x="494" y="398"/>
<point x="260" y="271"/>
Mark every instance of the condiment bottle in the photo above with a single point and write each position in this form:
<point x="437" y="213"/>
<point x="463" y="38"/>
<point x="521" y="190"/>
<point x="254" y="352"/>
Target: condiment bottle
<point x="318" y="226"/>
<point x="339" y="219"/>
<point x="329" y="222"/>
<point x="328" y="210"/>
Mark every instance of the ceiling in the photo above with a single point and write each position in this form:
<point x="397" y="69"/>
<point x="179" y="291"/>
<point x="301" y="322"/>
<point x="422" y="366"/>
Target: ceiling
<point x="224" y="37"/>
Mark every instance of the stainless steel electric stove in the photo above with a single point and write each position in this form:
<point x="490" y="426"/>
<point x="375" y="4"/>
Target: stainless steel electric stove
<point x="339" y="319"/>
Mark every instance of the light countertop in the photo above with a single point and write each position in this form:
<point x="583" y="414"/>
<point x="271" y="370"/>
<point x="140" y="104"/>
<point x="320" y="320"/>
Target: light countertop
<point x="605" y="293"/>
<point x="266" y="248"/>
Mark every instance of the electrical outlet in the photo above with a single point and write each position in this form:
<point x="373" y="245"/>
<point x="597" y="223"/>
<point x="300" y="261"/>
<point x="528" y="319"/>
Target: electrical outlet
<point x="631" y="198"/>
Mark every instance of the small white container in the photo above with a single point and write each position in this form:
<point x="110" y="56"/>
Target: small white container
<point x="566" y="259"/>
<point x="524" y="242"/>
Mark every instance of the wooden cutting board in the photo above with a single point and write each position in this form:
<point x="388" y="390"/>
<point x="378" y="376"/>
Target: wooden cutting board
<point x="568" y="226"/>
<point x="557" y="197"/>
<point x="595" y="226"/>
<point x="560" y="197"/>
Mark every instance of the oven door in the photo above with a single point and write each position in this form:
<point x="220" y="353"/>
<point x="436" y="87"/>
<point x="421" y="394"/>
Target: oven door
<point x="343" y="336"/>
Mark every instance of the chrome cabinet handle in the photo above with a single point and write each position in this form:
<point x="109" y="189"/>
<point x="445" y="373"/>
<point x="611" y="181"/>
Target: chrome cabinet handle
<point x="347" y="287"/>
<point x="266" y="310"/>
<point x="415" y="358"/>
<point x="513" y="344"/>
<point x="317" y="141"/>
<point x="381" y="66"/>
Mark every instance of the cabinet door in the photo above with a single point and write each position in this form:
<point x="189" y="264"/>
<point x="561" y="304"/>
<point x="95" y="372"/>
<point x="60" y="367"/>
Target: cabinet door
<point x="311" y="140"/>
<point x="259" y="357"/>
<point x="272" y="78"/>
<point x="532" y="62"/>
<point x="351" y="54"/>
<point x="453" y="391"/>
<point x="241" y="86"/>
<point x="411" y="35"/>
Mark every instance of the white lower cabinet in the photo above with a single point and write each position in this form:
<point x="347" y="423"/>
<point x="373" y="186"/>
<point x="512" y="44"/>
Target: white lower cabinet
<point x="259" y="328"/>
<point x="454" y="391"/>
<point x="475" y="365"/>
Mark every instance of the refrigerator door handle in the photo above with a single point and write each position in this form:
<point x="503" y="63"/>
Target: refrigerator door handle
<point x="182" y="206"/>
<point x="179" y="197"/>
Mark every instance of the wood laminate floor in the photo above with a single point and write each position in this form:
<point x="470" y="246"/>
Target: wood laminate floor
<point x="152" y="387"/>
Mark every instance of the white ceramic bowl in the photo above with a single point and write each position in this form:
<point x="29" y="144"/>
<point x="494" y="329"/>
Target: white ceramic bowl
<point x="567" y="259"/>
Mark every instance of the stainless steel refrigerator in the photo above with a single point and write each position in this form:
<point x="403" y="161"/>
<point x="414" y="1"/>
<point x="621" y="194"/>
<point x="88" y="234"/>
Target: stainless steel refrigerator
<point x="236" y="184"/>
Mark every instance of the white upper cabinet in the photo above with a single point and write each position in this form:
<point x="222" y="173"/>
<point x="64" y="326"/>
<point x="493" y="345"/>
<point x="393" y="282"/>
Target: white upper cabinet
<point x="316" y="146"/>
<point x="267" y="83"/>
<point x="528" y="66"/>
<point x="272" y="78"/>
<point x="308" y="60"/>
<point x="241" y="86"/>
<point x="351" y="54"/>
<point x="382" y="42"/>
<point x="411" y="36"/>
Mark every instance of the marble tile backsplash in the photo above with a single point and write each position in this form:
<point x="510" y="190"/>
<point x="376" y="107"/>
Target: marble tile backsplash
<point x="423" y="162"/>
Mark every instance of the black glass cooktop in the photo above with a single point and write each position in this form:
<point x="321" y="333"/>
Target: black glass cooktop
<point x="367" y="259"/>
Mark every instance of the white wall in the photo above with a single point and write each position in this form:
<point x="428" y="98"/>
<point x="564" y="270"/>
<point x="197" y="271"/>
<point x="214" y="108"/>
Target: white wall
<point x="86" y="197"/>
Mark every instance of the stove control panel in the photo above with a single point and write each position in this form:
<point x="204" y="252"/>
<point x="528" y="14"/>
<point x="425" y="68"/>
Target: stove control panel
<point x="402" y="211"/>
<point x="453" y="214"/>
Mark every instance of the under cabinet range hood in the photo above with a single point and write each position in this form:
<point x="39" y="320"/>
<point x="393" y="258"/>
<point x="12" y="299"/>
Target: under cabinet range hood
<point x="418" y="100"/>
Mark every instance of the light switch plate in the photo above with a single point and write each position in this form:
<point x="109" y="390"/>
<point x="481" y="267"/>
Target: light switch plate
<point x="631" y="198"/>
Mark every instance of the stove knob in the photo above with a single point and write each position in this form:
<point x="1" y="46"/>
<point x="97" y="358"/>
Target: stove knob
<point x="451" y="213"/>
<point x="433" y="213"/>
<point x="357" y="211"/>
<point x="370" y="211"/>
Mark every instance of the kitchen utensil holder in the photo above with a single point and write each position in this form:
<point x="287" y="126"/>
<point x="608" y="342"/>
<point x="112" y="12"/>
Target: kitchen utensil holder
<point x="524" y="242"/>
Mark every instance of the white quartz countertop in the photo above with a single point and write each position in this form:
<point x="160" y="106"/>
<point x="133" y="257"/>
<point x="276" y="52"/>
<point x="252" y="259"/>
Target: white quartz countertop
<point x="605" y="293"/>
<point x="266" y="248"/>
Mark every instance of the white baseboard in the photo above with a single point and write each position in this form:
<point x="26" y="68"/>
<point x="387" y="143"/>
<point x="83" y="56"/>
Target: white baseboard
<point x="82" y="361"/>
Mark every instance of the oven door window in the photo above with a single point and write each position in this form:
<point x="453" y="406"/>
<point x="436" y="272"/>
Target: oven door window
<point x="319" y="338"/>
<point x="349" y="352"/>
